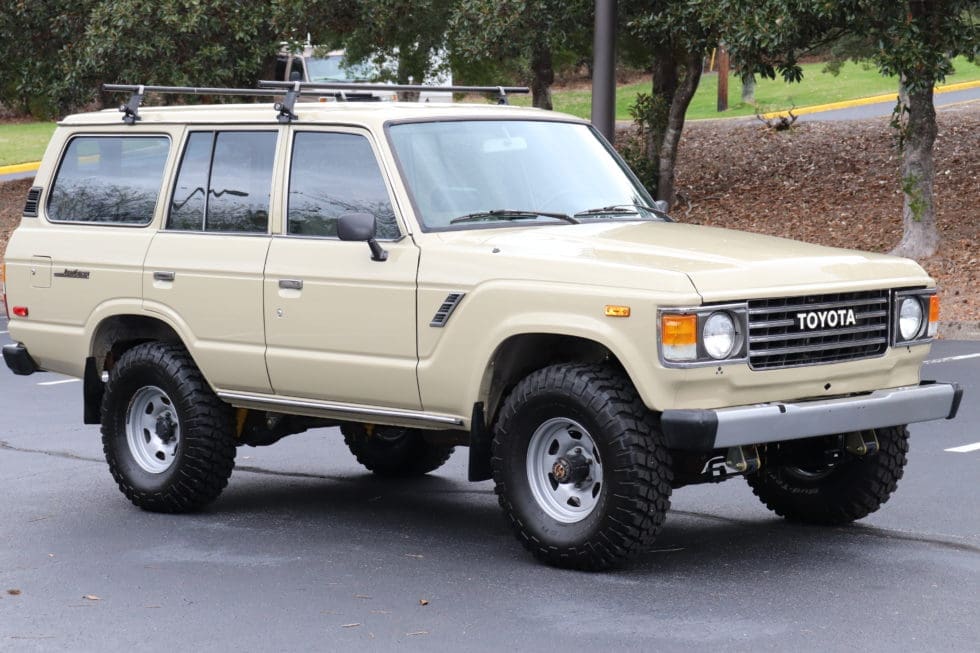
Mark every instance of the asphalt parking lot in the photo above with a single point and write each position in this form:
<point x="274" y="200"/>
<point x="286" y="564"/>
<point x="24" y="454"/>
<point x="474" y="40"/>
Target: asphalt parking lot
<point x="307" y="551"/>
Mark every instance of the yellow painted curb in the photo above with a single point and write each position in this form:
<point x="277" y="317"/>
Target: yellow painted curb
<point x="19" y="167"/>
<point x="875" y="99"/>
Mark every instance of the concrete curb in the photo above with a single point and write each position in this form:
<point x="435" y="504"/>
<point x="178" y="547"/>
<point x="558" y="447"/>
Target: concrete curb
<point x="20" y="167"/>
<point x="859" y="102"/>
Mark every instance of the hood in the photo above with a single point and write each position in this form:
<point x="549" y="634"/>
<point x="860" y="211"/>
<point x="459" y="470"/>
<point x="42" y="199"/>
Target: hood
<point x="722" y="264"/>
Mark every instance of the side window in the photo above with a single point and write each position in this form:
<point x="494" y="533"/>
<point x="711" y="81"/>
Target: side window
<point x="224" y="183"/>
<point x="333" y="174"/>
<point x="109" y="179"/>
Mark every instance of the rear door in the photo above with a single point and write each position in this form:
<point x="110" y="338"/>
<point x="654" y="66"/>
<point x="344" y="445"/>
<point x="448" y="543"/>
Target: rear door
<point x="204" y="268"/>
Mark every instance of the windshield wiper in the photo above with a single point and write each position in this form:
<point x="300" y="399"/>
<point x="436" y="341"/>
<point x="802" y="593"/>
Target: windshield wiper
<point x="511" y="214"/>
<point x="622" y="209"/>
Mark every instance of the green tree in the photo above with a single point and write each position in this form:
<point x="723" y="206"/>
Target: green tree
<point x="672" y="37"/>
<point x="179" y="42"/>
<point x="37" y="45"/>
<point x="916" y="40"/>
<point x="538" y="32"/>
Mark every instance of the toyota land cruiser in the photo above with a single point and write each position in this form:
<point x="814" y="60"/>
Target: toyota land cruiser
<point x="427" y="276"/>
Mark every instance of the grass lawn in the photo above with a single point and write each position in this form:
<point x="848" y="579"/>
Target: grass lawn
<point x="817" y="87"/>
<point x="23" y="142"/>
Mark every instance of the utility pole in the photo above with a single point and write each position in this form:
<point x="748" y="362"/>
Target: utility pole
<point x="604" y="69"/>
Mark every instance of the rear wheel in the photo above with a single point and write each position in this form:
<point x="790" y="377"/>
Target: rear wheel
<point x="580" y="467"/>
<point x="393" y="450"/>
<point x="167" y="438"/>
<point x="816" y="481"/>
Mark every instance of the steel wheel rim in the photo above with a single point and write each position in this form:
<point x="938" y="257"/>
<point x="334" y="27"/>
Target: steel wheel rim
<point x="152" y="430"/>
<point x="556" y="438"/>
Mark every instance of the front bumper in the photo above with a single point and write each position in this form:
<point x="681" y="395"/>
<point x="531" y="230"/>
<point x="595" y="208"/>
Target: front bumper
<point x="706" y="430"/>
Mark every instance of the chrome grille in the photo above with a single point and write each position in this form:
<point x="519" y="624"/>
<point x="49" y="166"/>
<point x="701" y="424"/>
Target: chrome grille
<point x="776" y="339"/>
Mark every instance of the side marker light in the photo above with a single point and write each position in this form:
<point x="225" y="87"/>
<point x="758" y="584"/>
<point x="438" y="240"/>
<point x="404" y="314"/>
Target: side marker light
<point x="617" y="311"/>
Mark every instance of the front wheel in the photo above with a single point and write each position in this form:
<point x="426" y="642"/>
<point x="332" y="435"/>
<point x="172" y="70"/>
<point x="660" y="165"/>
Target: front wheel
<point x="580" y="467"/>
<point x="816" y="481"/>
<point x="168" y="439"/>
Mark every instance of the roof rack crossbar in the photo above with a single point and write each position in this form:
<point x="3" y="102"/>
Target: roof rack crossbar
<point x="307" y="88"/>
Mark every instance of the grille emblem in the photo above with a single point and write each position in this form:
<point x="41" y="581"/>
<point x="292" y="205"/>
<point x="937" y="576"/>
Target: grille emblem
<point x="841" y="317"/>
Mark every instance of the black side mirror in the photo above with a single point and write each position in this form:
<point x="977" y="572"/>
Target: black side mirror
<point x="361" y="227"/>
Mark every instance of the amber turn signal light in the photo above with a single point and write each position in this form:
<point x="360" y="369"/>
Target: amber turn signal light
<point x="679" y="337"/>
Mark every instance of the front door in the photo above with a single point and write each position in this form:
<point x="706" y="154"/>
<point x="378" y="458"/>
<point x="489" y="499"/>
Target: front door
<point x="340" y="326"/>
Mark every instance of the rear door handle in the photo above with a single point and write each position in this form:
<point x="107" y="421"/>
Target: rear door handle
<point x="163" y="276"/>
<point x="291" y="284"/>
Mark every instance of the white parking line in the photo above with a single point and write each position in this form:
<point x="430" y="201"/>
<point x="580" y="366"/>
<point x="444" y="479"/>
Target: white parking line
<point x="4" y="332"/>
<point x="60" y="382"/>
<point x="966" y="448"/>
<point x="951" y="358"/>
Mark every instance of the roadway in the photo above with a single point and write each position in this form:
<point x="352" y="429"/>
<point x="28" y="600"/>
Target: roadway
<point x="305" y="551"/>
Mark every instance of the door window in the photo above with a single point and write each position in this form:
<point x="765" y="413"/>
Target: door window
<point x="334" y="174"/>
<point x="224" y="183"/>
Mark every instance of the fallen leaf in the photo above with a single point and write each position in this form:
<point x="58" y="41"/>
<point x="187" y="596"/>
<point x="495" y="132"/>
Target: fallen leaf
<point x="350" y="625"/>
<point x="414" y="555"/>
<point x="418" y="632"/>
<point x="91" y="597"/>
<point x="13" y="592"/>
<point x="423" y="602"/>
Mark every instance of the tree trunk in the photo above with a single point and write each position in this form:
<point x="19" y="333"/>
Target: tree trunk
<point x="748" y="89"/>
<point x="920" y="237"/>
<point x="544" y="77"/>
<point x="664" y="84"/>
<point x="675" y="125"/>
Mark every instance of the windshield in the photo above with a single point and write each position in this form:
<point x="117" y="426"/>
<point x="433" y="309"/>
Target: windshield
<point x="334" y="68"/>
<point x="489" y="172"/>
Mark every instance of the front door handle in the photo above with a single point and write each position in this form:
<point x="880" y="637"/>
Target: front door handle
<point x="163" y="276"/>
<point x="291" y="284"/>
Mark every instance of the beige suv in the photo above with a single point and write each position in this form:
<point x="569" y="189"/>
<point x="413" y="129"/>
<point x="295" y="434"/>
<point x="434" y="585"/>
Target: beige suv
<point x="426" y="276"/>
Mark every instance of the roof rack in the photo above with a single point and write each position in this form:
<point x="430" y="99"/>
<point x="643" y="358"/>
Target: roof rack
<point x="130" y="110"/>
<point x="291" y="91"/>
<point x="307" y="88"/>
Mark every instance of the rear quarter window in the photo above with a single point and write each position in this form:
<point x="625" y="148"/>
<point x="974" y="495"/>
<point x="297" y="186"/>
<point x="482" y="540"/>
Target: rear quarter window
<point x="109" y="179"/>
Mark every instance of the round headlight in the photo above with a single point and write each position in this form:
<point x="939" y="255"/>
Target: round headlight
<point x="909" y="318"/>
<point x="718" y="335"/>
